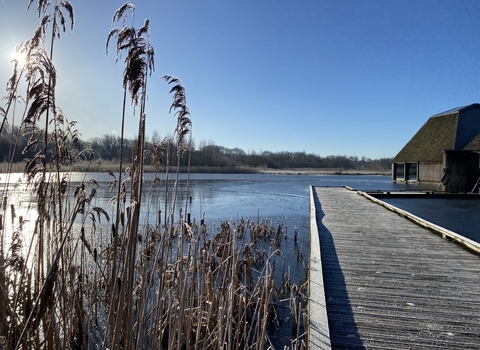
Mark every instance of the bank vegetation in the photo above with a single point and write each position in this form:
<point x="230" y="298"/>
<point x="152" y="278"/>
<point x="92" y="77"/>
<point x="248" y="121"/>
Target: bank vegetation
<point x="204" y="157"/>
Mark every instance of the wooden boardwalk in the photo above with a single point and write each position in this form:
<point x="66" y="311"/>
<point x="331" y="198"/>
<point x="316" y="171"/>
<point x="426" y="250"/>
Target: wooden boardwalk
<point x="391" y="284"/>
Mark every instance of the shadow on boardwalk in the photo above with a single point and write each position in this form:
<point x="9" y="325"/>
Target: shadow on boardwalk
<point x="391" y="284"/>
<point x="343" y="329"/>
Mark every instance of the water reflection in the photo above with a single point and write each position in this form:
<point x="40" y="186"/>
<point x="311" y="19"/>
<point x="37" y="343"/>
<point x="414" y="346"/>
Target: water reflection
<point x="18" y="215"/>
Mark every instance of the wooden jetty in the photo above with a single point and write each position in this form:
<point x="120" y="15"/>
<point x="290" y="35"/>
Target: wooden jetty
<point x="385" y="282"/>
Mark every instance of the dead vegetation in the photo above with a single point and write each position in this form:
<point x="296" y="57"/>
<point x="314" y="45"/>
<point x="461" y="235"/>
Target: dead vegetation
<point x="75" y="276"/>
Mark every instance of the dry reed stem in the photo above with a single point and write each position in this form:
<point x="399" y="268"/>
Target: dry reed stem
<point x="126" y="285"/>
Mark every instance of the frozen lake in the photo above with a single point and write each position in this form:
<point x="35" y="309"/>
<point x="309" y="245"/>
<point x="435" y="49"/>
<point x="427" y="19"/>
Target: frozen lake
<point x="284" y="198"/>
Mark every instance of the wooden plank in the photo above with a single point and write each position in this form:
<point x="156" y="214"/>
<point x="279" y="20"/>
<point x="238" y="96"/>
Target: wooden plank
<point x="391" y="284"/>
<point x="318" y="332"/>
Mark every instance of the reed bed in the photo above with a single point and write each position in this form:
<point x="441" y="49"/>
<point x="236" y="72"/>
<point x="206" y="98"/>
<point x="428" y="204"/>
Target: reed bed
<point x="194" y="286"/>
<point x="132" y="274"/>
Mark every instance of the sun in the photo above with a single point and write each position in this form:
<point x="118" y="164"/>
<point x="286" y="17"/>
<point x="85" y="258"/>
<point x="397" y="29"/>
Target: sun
<point x="19" y="57"/>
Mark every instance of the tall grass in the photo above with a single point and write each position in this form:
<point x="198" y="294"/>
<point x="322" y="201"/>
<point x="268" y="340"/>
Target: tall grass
<point x="76" y="275"/>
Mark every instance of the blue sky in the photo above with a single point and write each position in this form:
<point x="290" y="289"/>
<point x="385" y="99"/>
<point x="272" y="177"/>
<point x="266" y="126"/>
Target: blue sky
<point x="338" y="77"/>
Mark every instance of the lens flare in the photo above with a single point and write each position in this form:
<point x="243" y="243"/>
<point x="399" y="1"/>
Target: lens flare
<point x="19" y="57"/>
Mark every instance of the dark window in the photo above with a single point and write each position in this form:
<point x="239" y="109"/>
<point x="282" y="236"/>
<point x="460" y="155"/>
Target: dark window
<point x="412" y="171"/>
<point x="399" y="171"/>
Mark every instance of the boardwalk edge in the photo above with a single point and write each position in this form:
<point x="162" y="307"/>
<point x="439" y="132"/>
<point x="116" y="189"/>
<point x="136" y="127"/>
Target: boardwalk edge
<point x="318" y="331"/>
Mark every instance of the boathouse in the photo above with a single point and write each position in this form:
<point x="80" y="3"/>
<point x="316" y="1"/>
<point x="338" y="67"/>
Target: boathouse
<point x="445" y="151"/>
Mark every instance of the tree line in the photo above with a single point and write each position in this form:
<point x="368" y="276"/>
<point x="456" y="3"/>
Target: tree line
<point x="13" y="146"/>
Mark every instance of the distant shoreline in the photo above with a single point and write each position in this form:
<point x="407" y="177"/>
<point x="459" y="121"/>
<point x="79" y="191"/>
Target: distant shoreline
<point x="111" y="166"/>
<point x="319" y="171"/>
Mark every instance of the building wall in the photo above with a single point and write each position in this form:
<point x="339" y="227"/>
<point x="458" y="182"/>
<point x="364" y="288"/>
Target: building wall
<point x="461" y="169"/>
<point x="430" y="171"/>
<point x="417" y="171"/>
<point x="464" y="168"/>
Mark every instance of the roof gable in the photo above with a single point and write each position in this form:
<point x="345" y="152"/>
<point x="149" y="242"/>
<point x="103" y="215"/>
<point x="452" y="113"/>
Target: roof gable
<point x="474" y="145"/>
<point x="456" y="110"/>
<point x="455" y="129"/>
<point x="436" y="135"/>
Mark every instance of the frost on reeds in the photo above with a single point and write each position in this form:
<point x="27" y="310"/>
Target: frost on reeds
<point x="78" y="275"/>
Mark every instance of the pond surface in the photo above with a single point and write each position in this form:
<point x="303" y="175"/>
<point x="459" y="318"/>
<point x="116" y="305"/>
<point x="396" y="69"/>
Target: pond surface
<point x="281" y="197"/>
<point x="284" y="198"/>
<point x="458" y="215"/>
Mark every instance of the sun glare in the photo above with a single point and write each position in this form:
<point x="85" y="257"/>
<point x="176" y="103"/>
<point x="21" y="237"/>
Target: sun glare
<point x="19" y="57"/>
